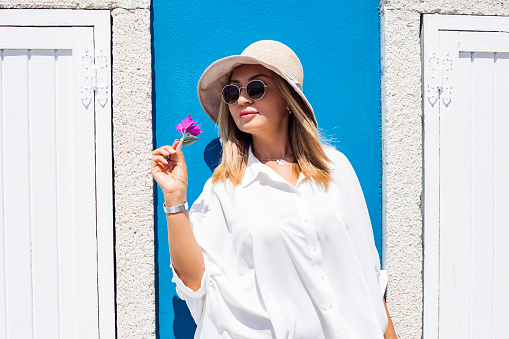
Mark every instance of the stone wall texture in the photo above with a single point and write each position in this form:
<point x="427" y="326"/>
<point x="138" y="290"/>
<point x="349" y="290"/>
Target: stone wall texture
<point x="132" y="147"/>
<point x="402" y="125"/>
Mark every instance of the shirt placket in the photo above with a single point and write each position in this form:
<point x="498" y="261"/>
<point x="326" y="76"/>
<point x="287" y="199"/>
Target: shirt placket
<point x="328" y="303"/>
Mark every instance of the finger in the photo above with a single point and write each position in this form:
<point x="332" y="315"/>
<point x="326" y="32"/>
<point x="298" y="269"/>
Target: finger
<point x="160" y="159"/>
<point x="180" y="153"/>
<point x="164" y="151"/>
<point x="175" y="144"/>
<point x="170" y="149"/>
<point x="180" y="156"/>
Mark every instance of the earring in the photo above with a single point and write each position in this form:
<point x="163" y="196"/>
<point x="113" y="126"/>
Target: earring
<point x="290" y="111"/>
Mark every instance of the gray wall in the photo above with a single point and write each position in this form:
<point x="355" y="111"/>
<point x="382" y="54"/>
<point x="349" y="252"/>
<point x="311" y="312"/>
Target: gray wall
<point x="402" y="133"/>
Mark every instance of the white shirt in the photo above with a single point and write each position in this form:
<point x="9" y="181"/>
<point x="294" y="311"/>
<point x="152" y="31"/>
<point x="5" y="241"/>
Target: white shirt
<point x="284" y="261"/>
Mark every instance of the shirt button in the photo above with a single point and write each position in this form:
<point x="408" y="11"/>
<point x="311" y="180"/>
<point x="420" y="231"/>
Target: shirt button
<point x="322" y="276"/>
<point x="315" y="249"/>
<point x="330" y="306"/>
<point x="306" y="220"/>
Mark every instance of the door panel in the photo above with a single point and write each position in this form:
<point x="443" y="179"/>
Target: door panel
<point x="463" y="235"/>
<point x="49" y="206"/>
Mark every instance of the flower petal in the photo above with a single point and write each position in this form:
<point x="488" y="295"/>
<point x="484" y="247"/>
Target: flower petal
<point x="187" y="122"/>
<point x="194" y="130"/>
<point x="184" y="124"/>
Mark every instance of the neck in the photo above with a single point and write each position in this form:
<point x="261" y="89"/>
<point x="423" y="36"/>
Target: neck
<point x="274" y="148"/>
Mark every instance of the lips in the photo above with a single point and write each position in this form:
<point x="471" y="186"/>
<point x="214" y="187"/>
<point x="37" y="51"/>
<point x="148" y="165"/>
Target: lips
<point x="247" y="113"/>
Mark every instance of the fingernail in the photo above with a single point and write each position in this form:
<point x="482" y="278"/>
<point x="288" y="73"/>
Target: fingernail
<point x="166" y="153"/>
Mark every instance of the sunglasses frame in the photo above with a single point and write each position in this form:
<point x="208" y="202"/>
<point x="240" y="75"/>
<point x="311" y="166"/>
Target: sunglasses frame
<point x="240" y="90"/>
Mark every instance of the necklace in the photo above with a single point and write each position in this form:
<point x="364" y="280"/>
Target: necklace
<point x="280" y="161"/>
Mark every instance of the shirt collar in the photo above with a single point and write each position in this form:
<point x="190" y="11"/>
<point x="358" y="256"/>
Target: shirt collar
<point x="255" y="167"/>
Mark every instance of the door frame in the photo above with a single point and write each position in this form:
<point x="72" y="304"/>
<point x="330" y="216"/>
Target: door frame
<point x="100" y="20"/>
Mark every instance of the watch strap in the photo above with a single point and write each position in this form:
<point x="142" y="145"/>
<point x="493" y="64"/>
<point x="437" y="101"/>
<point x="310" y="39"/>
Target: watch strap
<point x="175" y="209"/>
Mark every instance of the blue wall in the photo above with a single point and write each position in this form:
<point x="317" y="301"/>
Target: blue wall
<point x="338" y="43"/>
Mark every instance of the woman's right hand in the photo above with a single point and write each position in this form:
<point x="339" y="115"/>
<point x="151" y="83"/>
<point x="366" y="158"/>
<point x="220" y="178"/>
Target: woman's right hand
<point x="170" y="172"/>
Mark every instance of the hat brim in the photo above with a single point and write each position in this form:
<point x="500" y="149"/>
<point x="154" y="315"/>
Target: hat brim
<point x="218" y="74"/>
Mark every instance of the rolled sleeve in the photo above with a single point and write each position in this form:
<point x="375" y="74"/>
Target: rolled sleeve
<point x="185" y="292"/>
<point x="195" y="300"/>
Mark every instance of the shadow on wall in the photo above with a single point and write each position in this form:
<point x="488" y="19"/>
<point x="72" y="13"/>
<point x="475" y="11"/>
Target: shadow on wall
<point x="213" y="153"/>
<point x="183" y="322"/>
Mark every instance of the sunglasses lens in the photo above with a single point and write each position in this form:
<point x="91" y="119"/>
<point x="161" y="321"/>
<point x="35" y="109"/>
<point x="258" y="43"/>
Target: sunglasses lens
<point x="256" y="89"/>
<point x="230" y="94"/>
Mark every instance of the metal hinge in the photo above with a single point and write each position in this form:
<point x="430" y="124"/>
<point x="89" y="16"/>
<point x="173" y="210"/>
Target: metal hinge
<point x="439" y="78"/>
<point x="94" y="78"/>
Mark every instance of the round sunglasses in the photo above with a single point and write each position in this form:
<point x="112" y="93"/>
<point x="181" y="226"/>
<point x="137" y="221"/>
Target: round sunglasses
<point x="255" y="89"/>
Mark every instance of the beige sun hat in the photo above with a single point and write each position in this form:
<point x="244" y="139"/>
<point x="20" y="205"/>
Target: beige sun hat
<point x="273" y="55"/>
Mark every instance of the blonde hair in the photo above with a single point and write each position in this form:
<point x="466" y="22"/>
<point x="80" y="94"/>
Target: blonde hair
<point x="310" y="158"/>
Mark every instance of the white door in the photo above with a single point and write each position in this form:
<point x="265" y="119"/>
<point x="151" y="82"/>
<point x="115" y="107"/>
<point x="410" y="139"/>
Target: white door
<point x="56" y="213"/>
<point x="466" y="180"/>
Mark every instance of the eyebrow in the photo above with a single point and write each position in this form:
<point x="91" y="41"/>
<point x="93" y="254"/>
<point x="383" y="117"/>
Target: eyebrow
<point x="251" y="78"/>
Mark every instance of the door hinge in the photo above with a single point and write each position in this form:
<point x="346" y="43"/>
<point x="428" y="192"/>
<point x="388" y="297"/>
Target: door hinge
<point x="439" y="78"/>
<point x="94" y="78"/>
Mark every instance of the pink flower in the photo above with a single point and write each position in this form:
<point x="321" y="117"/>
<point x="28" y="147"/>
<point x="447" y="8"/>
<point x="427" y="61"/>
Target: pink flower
<point x="187" y="126"/>
<point x="189" y="130"/>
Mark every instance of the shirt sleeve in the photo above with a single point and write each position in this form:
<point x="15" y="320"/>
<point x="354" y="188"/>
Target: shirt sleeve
<point x="205" y="216"/>
<point x="361" y="233"/>
<point x="195" y="300"/>
<point x="359" y="223"/>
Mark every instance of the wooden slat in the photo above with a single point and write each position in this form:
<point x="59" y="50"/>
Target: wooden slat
<point x="469" y="22"/>
<point x="449" y="196"/>
<point x="17" y="204"/>
<point x="464" y="222"/>
<point x="484" y="42"/>
<point x="84" y="208"/>
<point x="39" y="38"/>
<point x="483" y="160"/>
<point x="66" y="188"/>
<point x="3" y="314"/>
<point x="104" y="186"/>
<point x="501" y="250"/>
<point x="99" y="19"/>
<point x="43" y="193"/>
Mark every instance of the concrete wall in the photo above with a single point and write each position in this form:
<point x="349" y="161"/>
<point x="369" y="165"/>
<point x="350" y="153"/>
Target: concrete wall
<point x="132" y="146"/>
<point x="402" y="126"/>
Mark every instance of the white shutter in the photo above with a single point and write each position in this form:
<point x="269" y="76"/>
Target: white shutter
<point x="466" y="147"/>
<point x="56" y="190"/>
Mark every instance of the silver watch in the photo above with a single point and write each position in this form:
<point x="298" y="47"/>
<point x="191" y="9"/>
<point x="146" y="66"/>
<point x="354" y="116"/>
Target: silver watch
<point x="175" y="209"/>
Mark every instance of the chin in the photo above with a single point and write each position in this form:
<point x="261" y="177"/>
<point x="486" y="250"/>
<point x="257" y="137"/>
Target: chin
<point x="249" y="127"/>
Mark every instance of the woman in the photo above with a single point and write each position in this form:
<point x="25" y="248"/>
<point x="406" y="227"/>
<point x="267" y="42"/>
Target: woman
<point x="279" y="244"/>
